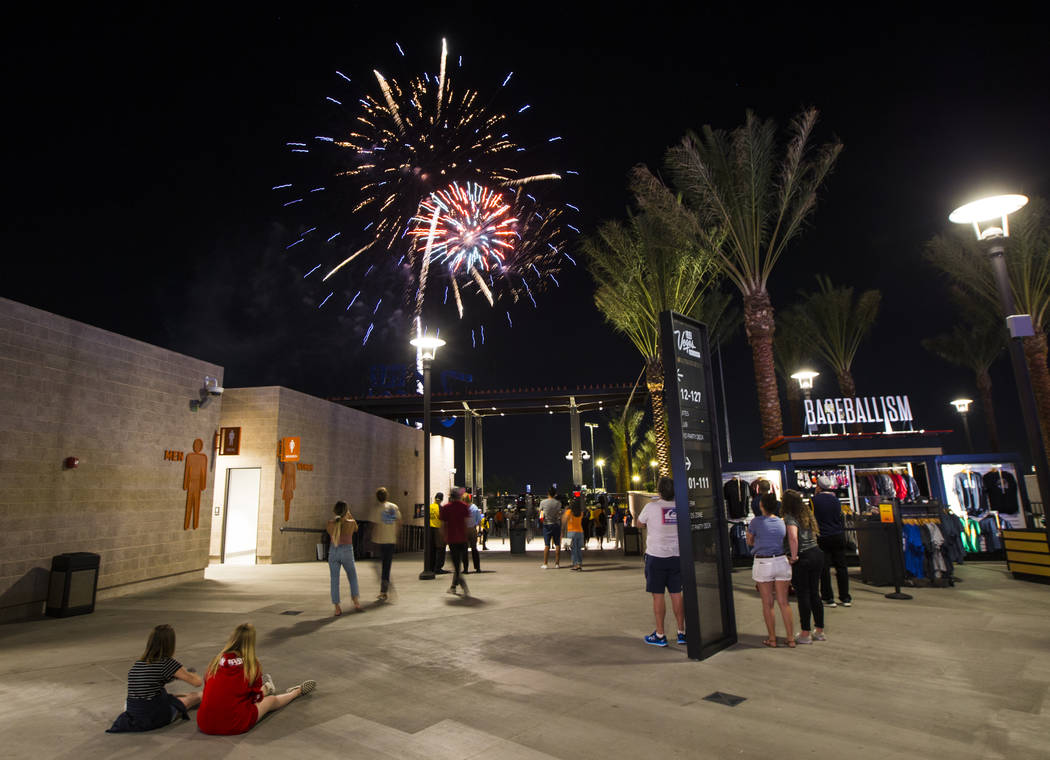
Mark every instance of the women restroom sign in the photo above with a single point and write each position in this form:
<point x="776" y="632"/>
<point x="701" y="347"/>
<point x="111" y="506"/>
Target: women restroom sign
<point x="290" y="449"/>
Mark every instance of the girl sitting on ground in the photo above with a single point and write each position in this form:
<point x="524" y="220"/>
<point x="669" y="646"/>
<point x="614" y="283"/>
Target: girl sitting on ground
<point x="236" y="692"/>
<point x="149" y="705"/>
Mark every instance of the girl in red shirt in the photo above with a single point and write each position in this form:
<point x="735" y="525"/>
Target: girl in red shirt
<point x="236" y="693"/>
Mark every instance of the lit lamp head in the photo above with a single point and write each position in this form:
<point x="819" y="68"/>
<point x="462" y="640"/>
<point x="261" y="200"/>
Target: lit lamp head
<point x="652" y="463"/>
<point x="805" y="378"/>
<point x="636" y="478"/>
<point x="962" y="405"/>
<point x="600" y="462"/>
<point x="993" y="209"/>
<point x="427" y="345"/>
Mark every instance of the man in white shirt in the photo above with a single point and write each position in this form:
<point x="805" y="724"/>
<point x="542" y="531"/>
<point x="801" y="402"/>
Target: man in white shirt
<point x="663" y="568"/>
<point x="384" y="535"/>
<point x="551" y="510"/>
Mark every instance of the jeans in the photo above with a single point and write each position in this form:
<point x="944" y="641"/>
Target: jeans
<point x="386" y="553"/>
<point x="576" y="547"/>
<point x="459" y="563"/>
<point x="805" y="576"/>
<point x="342" y="556"/>
<point x="834" y="548"/>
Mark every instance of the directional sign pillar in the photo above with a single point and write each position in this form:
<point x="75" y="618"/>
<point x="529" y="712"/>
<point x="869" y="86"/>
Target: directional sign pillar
<point x="703" y="534"/>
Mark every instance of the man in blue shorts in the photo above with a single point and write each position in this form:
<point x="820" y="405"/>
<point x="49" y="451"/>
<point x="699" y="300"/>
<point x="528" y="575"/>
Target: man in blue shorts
<point x="663" y="569"/>
<point x="551" y="510"/>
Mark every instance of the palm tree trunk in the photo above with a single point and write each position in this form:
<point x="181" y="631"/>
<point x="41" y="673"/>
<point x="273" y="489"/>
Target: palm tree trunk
<point x="1035" y="353"/>
<point x="654" y="381"/>
<point x="759" y="326"/>
<point x="848" y="389"/>
<point x="794" y="397"/>
<point x="623" y="474"/>
<point x="984" y="388"/>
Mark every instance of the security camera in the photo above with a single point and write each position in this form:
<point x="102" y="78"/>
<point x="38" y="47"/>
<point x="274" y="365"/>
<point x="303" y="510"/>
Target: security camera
<point x="211" y="389"/>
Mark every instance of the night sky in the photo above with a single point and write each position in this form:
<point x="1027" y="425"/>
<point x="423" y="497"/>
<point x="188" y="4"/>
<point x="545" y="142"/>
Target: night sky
<point x="143" y="146"/>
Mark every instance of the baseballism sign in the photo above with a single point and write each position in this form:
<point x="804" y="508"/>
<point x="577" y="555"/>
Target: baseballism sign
<point x="832" y="411"/>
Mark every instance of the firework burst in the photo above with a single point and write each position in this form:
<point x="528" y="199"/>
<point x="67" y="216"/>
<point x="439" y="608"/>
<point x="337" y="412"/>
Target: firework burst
<point x="425" y="184"/>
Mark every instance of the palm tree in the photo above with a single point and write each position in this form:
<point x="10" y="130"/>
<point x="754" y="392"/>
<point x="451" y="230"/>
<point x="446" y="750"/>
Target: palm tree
<point x="838" y="323"/>
<point x="1028" y="263"/>
<point x="737" y="181"/>
<point x="657" y="260"/>
<point x="623" y="429"/>
<point x="792" y="352"/>
<point x="975" y="343"/>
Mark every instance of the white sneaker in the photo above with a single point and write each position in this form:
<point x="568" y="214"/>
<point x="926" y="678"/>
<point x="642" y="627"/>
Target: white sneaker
<point x="543" y="567"/>
<point x="268" y="686"/>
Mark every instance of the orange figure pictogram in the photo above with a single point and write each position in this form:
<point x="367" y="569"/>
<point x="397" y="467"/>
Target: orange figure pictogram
<point x="194" y="480"/>
<point x="287" y="486"/>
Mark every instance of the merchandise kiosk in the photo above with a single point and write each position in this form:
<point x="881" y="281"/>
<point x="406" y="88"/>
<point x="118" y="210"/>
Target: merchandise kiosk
<point x="979" y="494"/>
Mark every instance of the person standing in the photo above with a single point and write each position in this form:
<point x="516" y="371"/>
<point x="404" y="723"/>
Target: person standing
<point x="598" y="520"/>
<point x="551" y="510"/>
<point x="771" y="570"/>
<point x="572" y="522"/>
<point x="437" y="545"/>
<point x="663" y="568"/>
<point x="762" y="487"/>
<point x="384" y="535"/>
<point x="454" y="517"/>
<point x="473" y="521"/>
<point x="807" y="562"/>
<point x="342" y="528"/>
<point x="832" y="542"/>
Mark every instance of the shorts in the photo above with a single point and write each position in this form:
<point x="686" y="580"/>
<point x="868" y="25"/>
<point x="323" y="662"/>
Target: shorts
<point x="663" y="573"/>
<point x="769" y="569"/>
<point x="551" y="533"/>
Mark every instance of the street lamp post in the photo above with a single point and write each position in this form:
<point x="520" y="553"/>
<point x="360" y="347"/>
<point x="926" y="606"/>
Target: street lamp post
<point x="428" y="346"/>
<point x="601" y="470"/>
<point x="805" y="379"/>
<point x="652" y="471"/>
<point x="591" y="426"/>
<point x="997" y="209"/>
<point x="962" y="406"/>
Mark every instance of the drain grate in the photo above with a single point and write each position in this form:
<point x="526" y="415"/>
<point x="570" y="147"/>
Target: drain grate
<point x="292" y="612"/>
<point x="729" y="700"/>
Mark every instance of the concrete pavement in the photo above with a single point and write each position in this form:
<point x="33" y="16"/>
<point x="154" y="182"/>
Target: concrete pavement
<point x="542" y="664"/>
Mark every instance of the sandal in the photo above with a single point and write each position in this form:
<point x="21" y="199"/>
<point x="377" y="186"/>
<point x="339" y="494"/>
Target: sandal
<point x="772" y="643"/>
<point x="790" y="642"/>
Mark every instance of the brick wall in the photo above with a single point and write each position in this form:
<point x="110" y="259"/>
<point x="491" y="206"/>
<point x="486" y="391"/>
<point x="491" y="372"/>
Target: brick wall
<point x="348" y="453"/>
<point x="69" y="389"/>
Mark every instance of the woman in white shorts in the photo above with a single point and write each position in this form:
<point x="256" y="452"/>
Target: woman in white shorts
<point x="771" y="571"/>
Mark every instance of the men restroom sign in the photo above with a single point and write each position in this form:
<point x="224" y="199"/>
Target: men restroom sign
<point x="290" y="449"/>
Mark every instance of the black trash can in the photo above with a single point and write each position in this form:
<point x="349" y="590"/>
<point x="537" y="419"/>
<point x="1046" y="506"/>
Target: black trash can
<point x="632" y="542"/>
<point x="517" y="540"/>
<point x="73" y="584"/>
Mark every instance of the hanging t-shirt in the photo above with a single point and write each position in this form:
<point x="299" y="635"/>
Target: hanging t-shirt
<point x="661" y="521"/>
<point x="385" y="529"/>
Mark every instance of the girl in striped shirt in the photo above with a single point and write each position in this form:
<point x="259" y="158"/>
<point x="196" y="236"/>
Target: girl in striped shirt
<point x="149" y="705"/>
